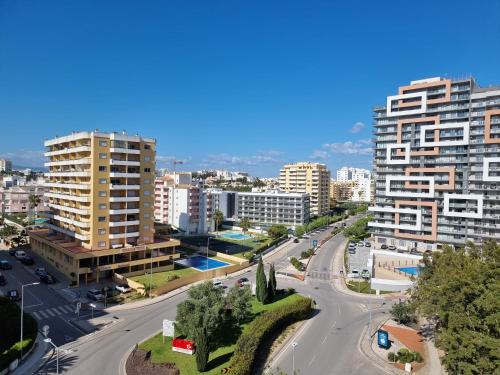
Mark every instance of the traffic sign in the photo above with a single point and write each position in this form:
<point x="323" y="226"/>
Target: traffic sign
<point x="168" y="328"/>
<point x="315" y="243"/>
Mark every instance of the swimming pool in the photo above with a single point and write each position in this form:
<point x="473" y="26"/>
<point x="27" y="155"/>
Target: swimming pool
<point x="409" y="270"/>
<point x="235" y="236"/>
<point x="201" y="263"/>
<point x="40" y="221"/>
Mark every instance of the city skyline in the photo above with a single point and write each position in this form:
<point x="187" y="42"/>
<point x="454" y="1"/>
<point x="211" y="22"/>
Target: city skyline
<point x="219" y="92"/>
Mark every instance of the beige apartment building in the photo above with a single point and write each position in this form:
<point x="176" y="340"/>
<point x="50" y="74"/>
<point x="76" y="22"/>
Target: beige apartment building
<point x="101" y="198"/>
<point x="310" y="178"/>
<point x="341" y="191"/>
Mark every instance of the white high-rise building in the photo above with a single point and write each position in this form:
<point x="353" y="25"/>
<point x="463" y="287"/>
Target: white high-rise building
<point x="361" y="190"/>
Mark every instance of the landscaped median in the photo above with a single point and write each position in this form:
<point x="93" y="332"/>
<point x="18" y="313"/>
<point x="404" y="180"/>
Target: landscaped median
<point x="238" y="343"/>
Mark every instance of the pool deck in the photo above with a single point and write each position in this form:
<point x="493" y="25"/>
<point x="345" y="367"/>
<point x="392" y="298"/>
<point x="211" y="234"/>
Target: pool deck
<point x="184" y="263"/>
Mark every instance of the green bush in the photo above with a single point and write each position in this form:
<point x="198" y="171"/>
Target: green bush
<point x="304" y="255"/>
<point x="296" y="263"/>
<point x="172" y="277"/>
<point x="417" y="357"/>
<point x="405" y="356"/>
<point x="263" y="327"/>
<point x="392" y="357"/>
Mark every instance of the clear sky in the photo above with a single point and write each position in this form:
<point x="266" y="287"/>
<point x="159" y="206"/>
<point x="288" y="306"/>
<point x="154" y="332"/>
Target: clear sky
<point x="242" y="85"/>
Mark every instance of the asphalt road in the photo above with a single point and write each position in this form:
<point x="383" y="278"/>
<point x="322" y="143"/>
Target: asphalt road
<point x="327" y="343"/>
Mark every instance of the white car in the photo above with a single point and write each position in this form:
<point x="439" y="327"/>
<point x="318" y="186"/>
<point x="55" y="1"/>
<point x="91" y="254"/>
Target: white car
<point x="218" y="284"/>
<point x="123" y="288"/>
<point x="20" y="254"/>
<point x="306" y="236"/>
<point x="354" y="274"/>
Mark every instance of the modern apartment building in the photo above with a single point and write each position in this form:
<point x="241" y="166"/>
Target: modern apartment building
<point x="310" y="178"/>
<point x="437" y="164"/>
<point x="5" y="165"/>
<point x="102" y="207"/>
<point x="341" y="191"/>
<point x="362" y="183"/>
<point x="273" y="207"/>
<point x="16" y="199"/>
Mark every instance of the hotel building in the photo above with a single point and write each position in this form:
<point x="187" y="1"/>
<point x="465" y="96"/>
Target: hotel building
<point x="310" y="178"/>
<point x="437" y="164"/>
<point x="273" y="207"/>
<point x="101" y="197"/>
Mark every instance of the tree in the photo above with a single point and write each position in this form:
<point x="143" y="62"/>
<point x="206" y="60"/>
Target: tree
<point x="239" y="300"/>
<point x="245" y="224"/>
<point x="271" y="284"/>
<point x="34" y="201"/>
<point x="277" y="231"/>
<point x="359" y="230"/>
<point x="402" y="312"/>
<point x="300" y="230"/>
<point x="458" y="290"/>
<point x="261" y="283"/>
<point x="202" y="349"/>
<point x="203" y="309"/>
<point x="218" y="218"/>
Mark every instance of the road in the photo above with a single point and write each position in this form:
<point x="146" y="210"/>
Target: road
<point x="327" y="344"/>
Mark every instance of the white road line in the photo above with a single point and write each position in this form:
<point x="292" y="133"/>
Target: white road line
<point x="42" y="313"/>
<point x="322" y="342"/>
<point x="37" y="317"/>
<point x="51" y="312"/>
<point x="340" y="311"/>
<point x="312" y="360"/>
<point x="333" y="325"/>
<point x="68" y="308"/>
<point x="61" y="308"/>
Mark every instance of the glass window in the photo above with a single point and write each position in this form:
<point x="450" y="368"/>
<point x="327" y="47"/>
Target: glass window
<point x="147" y="170"/>
<point x="147" y="204"/>
<point x="102" y="155"/>
<point x="147" y="181"/>
<point x="102" y="193"/>
<point x="101" y="219"/>
<point x="147" y="215"/>
<point x="146" y="227"/>
<point x="102" y="231"/>
<point x="147" y="147"/>
<point x="102" y="168"/>
<point x="102" y="206"/>
<point x="147" y="158"/>
<point x="101" y="244"/>
<point x="103" y="181"/>
<point x="103" y="143"/>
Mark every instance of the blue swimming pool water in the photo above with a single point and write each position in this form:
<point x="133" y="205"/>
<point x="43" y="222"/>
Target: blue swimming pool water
<point x="409" y="270"/>
<point x="235" y="235"/>
<point x="40" y="221"/>
<point x="201" y="263"/>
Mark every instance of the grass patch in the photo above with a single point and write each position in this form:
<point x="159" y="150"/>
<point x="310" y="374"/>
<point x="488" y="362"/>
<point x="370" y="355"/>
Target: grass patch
<point x="362" y="287"/>
<point x="161" y="278"/>
<point x="219" y="358"/>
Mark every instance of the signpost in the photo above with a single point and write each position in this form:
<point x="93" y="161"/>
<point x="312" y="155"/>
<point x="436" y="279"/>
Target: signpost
<point x="315" y="243"/>
<point x="383" y="339"/>
<point x="168" y="329"/>
<point x="183" y="346"/>
<point x="92" y="306"/>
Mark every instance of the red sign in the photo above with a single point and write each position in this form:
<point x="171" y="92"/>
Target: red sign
<point x="183" y="346"/>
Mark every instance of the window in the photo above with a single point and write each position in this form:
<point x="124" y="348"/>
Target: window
<point x="102" y="168"/>
<point x="147" y="192"/>
<point x="103" y="181"/>
<point x="101" y="231"/>
<point x="103" y="143"/>
<point x="102" y="193"/>
<point x="102" y="206"/>
<point x="147" y="147"/>
<point x="147" y="170"/>
<point x="147" y="181"/>
<point x="146" y="239"/>
<point x="147" y="204"/>
<point x="147" y="215"/>
<point x="102" y="155"/>
<point x="101" y="219"/>
<point x="147" y="158"/>
<point x="146" y="227"/>
<point x="101" y="244"/>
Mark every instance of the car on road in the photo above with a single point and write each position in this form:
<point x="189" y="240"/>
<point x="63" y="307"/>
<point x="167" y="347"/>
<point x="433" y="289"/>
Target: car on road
<point x="95" y="294"/>
<point x="3" y="280"/>
<point x="391" y="247"/>
<point x="20" y="254"/>
<point x="12" y="251"/>
<point x="344" y="224"/>
<point x="306" y="236"/>
<point x="14" y="295"/>
<point x="218" y="284"/>
<point x="47" y="279"/>
<point x="40" y="271"/>
<point x="361" y="244"/>
<point x="383" y="247"/>
<point x="27" y="260"/>
<point x="243" y="281"/>
<point x="352" y="251"/>
<point x="5" y="265"/>
<point x="367" y="244"/>
<point x="123" y="288"/>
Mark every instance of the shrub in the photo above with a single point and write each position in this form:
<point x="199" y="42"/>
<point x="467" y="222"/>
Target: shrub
<point x="172" y="277"/>
<point x="304" y="255"/>
<point x="405" y="356"/>
<point x="262" y="328"/>
<point x="392" y="357"/>
<point x="295" y="262"/>
<point x="417" y="357"/>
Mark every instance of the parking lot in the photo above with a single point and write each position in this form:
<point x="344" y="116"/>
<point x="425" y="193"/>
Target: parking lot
<point x="359" y="259"/>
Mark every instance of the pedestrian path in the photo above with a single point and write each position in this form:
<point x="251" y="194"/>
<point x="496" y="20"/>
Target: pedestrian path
<point x="53" y="312"/>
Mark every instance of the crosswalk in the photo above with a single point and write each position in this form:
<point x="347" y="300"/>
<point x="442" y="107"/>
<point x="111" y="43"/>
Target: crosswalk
<point x="53" y="312"/>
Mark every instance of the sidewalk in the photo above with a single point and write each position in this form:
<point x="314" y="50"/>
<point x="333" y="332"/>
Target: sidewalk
<point x="31" y="362"/>
<point x="151" y="301"/>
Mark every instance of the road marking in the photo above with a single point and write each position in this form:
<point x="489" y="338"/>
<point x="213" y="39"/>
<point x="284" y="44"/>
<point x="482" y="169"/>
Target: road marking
<point x="312" y="360"/>
<point x="53" y="312"/>
<point x="43" y="314"/>
<point x="322" y="342"/>
<point x="35" y="314"/>
<point x="30" y="306"/>
<point x="70" y="308"/>
<point x="333" y="325"/>
<point x="62" y="308"/>
<point x="340" y="311"/>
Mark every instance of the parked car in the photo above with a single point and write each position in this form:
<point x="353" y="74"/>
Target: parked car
<point x="95" y="295"/>
<point x="383" y="247"/>
<point x="352" y="251"/>
<point x="20" y="254"/>
<point x="27" y="260"/>
<point x="40" y="271"/>
<point x="218" y="284"/>
<point x="365" y="274"/>
<point x="361" y="244"/>
<point x="123" y="288"/>
<point x="367" y="244"/>
<point x="47" y="278"/>
<point x="14" y="295"/>
<point x="243" y="281"/>
<point x="344" y="224"/>
<point x="306" y="236"/>
<point x="354" y="274"/>
<point x="296" y="240"/>
<point x="3" y="280"/>
<point x="12" y="251"/>
<point x="5" y="265"/>
<point x="391" y="247"/>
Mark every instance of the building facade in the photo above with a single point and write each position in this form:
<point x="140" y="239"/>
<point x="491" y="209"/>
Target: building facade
<point x="341" y="191"/>
<point x="101" y="197"/>
<point x="310" y="178"/>
<point x="273" y="207"/>
<point x="17" y="199"/>
<point x="361" y="180"/>
<point x="5" y="165"/>
<point x="437" y="164"/>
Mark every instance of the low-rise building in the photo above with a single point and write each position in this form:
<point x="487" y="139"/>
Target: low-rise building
<point x="17" y="199"/>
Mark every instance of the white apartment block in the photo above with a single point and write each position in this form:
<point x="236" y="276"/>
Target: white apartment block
<point x="273" y="207"/>
<point x="5" y="165"/>
<point x="362" y="189"/>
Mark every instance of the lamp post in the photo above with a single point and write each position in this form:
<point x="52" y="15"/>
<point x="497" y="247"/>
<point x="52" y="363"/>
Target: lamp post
<point x="208" y="244"/>
<point x="294" y="344"/>
<point x="151" y="275"/>
<point x="49" y="341"/>
<point x="22" y="315"/>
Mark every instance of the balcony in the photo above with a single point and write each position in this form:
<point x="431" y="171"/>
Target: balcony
<point x="68" y="162"/>
<point x="125" y="162"/>
<point x="124" y="211"/>
<point x="74" y="210"/>
<point x="124" y="174"/>
<point x="68" y="174"/>
<point x="67" y="151"/>
<point x="74" y="198"/>
<point x="123" y="235"/>
<point x="124" y="199"/>
<point x="81" y="237"/>
<point x="77" y="223"/>
<point x="67" y="185"/>
<point x="125" y="150"/>
<point x="123" y="223"/>
<point x="124" y="187"/>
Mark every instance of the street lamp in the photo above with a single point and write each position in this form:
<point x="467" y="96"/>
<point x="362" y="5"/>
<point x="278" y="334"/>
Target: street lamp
<point x="22" y="315"/>
<point x="49" y="341"/>
<point x="294" y="344"/>
<point x="208" y="244"/>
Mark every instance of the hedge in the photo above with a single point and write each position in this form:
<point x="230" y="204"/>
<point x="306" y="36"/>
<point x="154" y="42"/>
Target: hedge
<point x="263" y="327"/>
<point x="267" y="245"/>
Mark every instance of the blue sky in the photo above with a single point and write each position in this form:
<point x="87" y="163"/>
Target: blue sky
<point x="242" y="85"/>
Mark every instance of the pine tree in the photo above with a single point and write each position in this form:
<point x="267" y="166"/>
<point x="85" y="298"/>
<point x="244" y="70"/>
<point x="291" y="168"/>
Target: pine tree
<point x="261" y="283"/>
<point x="271" y="286"/>
<point x="202" y="350"/>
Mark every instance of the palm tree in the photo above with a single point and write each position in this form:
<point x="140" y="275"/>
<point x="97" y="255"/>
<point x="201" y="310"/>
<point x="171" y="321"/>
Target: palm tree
<point x="244" y="224"/>
<point x="34" y="201"/>
<point x="218" y="218"/>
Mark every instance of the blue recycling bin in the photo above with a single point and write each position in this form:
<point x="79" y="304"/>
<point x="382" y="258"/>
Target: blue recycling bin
<point x="383" y="339"/>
